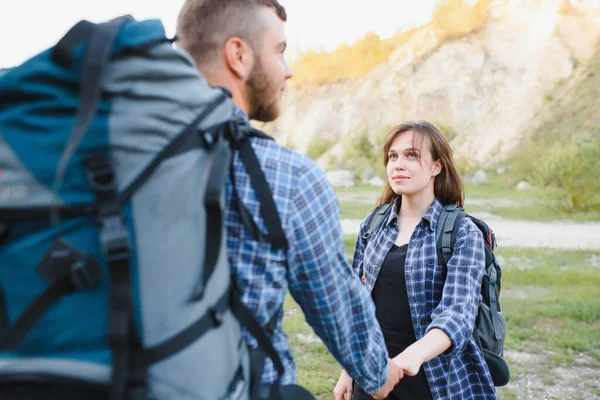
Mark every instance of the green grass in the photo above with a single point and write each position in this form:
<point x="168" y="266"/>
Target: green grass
<point x="540" y="212"/>
<point x="349" y="243"/>
<point x="360" y="188"/>
<point x="355" y="203"/>
<point x="497" y="187"/>
<point x="356" y="209"/>
<point x="317" y="369"/>
<point x="550" y="301"/>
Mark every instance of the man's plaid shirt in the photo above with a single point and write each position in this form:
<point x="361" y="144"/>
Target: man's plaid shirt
<point x="314" y="268"/>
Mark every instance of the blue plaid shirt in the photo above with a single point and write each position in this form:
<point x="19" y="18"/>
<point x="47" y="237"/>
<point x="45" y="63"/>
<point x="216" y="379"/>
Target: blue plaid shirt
<point x="314" y="268"/>
<point x="461" y="371"/>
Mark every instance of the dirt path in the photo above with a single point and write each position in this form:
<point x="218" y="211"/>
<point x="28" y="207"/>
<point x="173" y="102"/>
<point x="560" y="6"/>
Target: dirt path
<point x="537" y="378"/>
<point x="519" y="233"/>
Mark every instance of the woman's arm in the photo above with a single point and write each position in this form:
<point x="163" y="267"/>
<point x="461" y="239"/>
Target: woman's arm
<point x="434" y="343"/>
<point x="461" y="296"/>
<point x="453" y="319"/>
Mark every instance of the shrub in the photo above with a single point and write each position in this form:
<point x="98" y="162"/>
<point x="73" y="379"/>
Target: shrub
<point x="318" y="147"/>
<point x="457" y="18"/>
<point x="361" y="152"/>
<point x="568" y="174"/>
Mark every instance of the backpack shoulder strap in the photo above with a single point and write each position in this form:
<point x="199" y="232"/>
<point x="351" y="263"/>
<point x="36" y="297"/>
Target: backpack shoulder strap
<point x="258" y="180"/>
<point x="450" y="218"/>
<point x="377" y="217"/>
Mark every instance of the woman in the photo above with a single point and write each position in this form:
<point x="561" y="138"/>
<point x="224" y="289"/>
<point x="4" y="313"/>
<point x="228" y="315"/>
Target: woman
<point x="427" y="320"/>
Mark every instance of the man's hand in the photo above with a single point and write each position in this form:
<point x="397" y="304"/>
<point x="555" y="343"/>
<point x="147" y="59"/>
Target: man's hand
<point x="343" y="387"/>
<point x="394" y="376"/>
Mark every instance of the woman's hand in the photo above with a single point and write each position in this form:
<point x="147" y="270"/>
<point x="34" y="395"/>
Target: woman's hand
<point x="343" y="386"/>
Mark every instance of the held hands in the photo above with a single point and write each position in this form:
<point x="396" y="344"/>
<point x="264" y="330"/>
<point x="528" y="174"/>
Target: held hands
<point x="408" y="362"/>
<point x="394" y="376"/>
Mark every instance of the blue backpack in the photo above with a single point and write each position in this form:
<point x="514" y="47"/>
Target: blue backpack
<point x="114" y="279"/>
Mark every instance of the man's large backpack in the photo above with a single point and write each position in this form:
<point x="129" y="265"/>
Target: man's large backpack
<point x="490" y="326"/>
<point x="114" y="280"/>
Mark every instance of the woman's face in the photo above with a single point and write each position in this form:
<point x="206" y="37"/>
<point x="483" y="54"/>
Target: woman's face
<point x="411" y="169"/>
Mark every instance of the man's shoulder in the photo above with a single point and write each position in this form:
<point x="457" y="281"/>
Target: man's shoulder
<point x="284" y="160"/>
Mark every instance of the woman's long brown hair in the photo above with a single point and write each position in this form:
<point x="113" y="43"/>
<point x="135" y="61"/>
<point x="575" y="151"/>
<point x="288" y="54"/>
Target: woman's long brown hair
<point x="448" y="186"/>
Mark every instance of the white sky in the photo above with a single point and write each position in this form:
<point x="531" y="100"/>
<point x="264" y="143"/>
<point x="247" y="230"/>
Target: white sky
<point x="30" y="26"/>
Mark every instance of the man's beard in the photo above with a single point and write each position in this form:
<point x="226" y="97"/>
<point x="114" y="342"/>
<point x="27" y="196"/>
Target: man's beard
<point x="262" y="95"/>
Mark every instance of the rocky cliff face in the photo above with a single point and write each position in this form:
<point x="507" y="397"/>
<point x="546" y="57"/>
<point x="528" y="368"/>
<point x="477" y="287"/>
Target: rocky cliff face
<point x="487" y="86"/>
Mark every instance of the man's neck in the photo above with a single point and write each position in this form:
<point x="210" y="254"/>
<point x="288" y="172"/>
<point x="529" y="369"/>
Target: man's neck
<point x="219" y="78"/>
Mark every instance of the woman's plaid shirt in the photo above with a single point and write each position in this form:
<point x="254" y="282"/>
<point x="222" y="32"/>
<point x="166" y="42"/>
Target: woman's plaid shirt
<point x="460" y="372"/>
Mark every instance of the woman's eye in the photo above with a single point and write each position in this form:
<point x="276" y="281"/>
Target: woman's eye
<point x="412" y="155"/>
<point x="393" y="156"/>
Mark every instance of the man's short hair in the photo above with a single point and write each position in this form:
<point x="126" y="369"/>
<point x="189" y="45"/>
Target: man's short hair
<point x="204" y="26"/>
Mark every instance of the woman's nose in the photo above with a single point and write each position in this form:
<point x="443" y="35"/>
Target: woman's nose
<point x="399" y="165"/>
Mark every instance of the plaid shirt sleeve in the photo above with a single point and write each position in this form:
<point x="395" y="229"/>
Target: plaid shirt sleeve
<point x="334" y="301"/>
<point x="455" y="314"/>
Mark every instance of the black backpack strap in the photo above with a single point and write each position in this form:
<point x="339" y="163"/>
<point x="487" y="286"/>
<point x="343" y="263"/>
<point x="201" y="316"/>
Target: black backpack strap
<point x="248" y="321"/>
<point x="143" y="358"/>
<point x="448" y="223"/>
<point x="245" y="214"/>
<point x="115" y="243"/>
<point x="191" y="138"/>
<point x="218" y="158"/>
<point x="95" y="60"/>
<point x="494" y="303"/>
<point x="377" y="218"/>
<point x="450" y="217"/>
<point x="62" y="52"/>
<point x="268" y="209"/>
<point x="68" y="270"/>
<point x="4" y="321"/>
<point x="492" y="276"/>
<point x="3" y="232"/>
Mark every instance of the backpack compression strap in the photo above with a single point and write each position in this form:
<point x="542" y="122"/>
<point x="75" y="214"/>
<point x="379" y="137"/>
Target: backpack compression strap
<point x="115" y="242"/>
<point x="68" y="270"/>
<point x="114" y="235"/>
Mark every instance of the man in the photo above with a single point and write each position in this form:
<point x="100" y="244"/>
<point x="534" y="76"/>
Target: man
<point x="240" y="45"/>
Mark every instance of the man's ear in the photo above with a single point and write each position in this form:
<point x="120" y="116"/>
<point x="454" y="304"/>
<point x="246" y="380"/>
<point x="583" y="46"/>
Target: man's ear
<point x="239" y="57"/>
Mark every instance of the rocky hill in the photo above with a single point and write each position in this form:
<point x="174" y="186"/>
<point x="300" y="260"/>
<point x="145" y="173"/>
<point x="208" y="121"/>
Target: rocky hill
<point x="489" y="88"/>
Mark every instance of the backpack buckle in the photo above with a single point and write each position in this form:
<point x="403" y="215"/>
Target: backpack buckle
<point x="237" y="131"/>
<point x="85" y="273"/>
<point x="216" y="317"/>
<point x="100" y="174"/>
<point x="114" y="238"/>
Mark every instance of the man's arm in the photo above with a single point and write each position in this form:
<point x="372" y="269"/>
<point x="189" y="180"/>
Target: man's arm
<point x="333" y="299"/>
